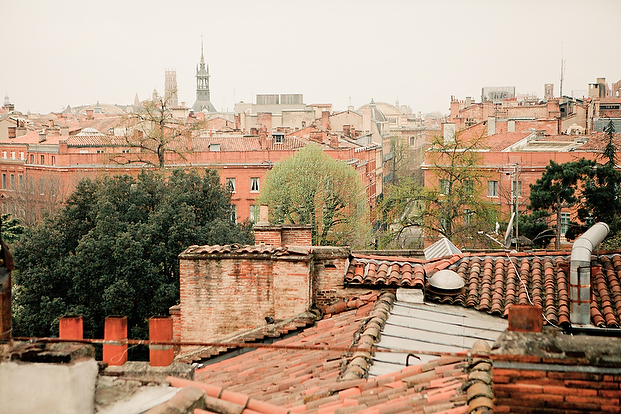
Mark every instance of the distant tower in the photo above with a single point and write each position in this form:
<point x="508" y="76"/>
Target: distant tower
<point x="548" y="91"/>
<point x="203" y="100"/>
<point x="170" y="88"/>
<point x="8" y="106"/>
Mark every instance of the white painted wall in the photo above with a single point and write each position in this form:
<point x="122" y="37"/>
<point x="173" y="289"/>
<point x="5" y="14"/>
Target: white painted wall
<point x="27" y="388"/>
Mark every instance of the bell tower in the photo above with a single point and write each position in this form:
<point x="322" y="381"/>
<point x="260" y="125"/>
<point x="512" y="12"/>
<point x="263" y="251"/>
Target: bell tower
<point x="203" y="98"/>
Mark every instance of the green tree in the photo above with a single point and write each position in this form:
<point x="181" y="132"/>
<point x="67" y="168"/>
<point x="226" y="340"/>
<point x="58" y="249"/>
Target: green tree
<point x="602" y="191"/>
<point x="399" y="218"/>
<point x="312" y="188"/>
<point x="11" y="228"/>
<point x="535" y="227"/>
<point x="450" y="205"/>
<point x="112" y="250"/>
<point x="557" y="189"/>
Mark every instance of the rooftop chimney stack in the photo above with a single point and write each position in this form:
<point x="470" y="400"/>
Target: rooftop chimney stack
<point x="580" y="273"/>
<point x="263" y="138"/>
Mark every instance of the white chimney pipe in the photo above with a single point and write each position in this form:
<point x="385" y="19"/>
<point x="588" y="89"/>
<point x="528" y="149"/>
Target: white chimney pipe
<point x="580" y="273"/>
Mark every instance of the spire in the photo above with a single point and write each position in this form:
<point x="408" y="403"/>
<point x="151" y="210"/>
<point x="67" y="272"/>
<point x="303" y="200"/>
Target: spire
<point x="202" y="54"/>
<point x="203" y="99"/>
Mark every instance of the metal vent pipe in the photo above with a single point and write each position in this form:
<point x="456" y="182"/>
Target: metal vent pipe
<point x="580" y="273"/>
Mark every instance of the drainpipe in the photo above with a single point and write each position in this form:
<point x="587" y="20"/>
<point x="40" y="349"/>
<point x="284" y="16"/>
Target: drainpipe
<point x="580" y="273"/>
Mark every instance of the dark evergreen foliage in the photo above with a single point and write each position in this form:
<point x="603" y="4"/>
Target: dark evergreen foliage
<point x="113" y="250"/>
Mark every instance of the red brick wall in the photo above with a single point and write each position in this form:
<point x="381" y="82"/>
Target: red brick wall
<point x="297" y="235"/>
<point x="521" y="390"/>
<point x="292" y="288"/>
<point x="269" y="235"/>
<point x="224" y="294"/>
<point x="330" y="264"/>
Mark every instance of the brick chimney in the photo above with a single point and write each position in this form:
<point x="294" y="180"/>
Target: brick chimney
<point x="264" y="120"/>
<point x="237" y="122"/>
<point x="263" y="138"/>
<point x="317" y="136"/>
<point x="325" y="119"/>
<point x="281" y="235"/>
<point x="347" y="130"/>
<point x="42" y="135"/>
<point x="334" y="140"/>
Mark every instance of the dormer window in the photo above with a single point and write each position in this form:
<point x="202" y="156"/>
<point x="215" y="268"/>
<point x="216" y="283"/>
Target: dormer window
<point x="214" y="147"/>
<point x="278" y="138"/>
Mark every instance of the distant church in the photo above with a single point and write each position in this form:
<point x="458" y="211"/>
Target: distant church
<point x="203" y="99"/>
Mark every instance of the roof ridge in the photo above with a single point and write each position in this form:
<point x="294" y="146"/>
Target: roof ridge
<point x="367" y="336"/>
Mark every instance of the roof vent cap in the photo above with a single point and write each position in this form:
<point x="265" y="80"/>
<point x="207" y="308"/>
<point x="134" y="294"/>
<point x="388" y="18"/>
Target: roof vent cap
<point x="446" y="280"/>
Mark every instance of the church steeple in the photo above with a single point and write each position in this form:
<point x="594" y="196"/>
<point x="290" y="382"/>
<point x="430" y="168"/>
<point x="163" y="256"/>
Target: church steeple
<point x="203" y="98"/>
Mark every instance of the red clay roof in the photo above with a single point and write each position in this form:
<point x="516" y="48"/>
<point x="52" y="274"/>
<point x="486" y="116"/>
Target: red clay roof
<point x="246" y="143"/>
<point x="498" y="142"/>
<point x="272" y="380"/>
<point x="493" y="285"/>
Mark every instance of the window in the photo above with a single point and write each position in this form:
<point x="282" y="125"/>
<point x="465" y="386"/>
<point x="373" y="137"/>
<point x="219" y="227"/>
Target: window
<point x="278" y="138"/>
<point x="12" y="155"/>
<point x="468" y="187"/>
<point x="444" y="187"/>
<point x="4" y="181"/>
<point x="233" y="215"/>
<point x="518" y="189"/>
<point x="125" y="151"/>
<point x="42" y="159"/>
<point x="468" y="214"/>
<point x="214" y="147"/>
<point x="492" y="188"/>
<point x="254" y="213"/>
<point x="99" y="151"/>
<point x="4" y="154"/>
<point x="21" y="155"/>
<point x="564" y="223"/>
<point x="32" y="158"/>
<point x="12" y="182"/>
<point x="412" y="140"/>
<point x="53" y="160"/>
<point x="41" y="186"/>
<point x="20" y="182"/>
<point x="254" y="184"/>
<point x="83" y="151"/>
<point x="230" y="185"/>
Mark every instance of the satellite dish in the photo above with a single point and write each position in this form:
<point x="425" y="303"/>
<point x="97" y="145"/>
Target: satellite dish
<point x="509" y="232"/>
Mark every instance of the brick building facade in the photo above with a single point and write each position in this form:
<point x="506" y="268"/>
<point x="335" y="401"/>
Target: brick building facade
<point x="41" y="168"/>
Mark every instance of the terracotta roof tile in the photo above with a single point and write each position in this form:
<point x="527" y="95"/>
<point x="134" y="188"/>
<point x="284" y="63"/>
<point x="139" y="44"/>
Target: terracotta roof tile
<point x="447" y="384"/>
<point x="495" y="281"/>
<point x="247" y="249"/>
<point x="271" y="380"/>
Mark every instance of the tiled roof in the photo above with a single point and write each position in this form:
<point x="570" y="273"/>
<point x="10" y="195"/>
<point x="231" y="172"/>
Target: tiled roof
<point x="245" y="143"/>
<point x="274" y="330"/>
<point x="247" y="249"/>
<point x="496" y="281"/>
<point x="272" y="380"/>
<point x="597" y="141"/>
<point x="498" y="142"/>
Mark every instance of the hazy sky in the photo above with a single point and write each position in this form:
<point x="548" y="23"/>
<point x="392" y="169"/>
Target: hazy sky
<point x="57" y="53"/>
